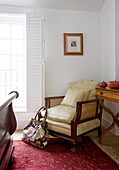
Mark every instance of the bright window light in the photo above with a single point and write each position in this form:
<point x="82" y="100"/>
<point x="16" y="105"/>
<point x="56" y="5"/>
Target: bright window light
<point x="13" y="57"/>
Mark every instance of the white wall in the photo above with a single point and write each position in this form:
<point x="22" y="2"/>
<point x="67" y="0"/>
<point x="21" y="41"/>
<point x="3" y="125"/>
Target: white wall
<point x="60" y="69"/>
<point x="108" y="40"/>
<point x="117" y="37"/>
<point x="110" y="53"/>
<point x="117" y="51"/>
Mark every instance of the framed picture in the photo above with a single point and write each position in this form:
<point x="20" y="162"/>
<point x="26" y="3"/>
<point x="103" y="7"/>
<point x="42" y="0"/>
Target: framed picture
<point x="73" y="44"/>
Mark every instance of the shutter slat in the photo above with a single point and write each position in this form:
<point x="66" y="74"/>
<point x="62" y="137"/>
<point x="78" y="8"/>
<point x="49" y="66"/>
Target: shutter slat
<point x="35" y="61"/>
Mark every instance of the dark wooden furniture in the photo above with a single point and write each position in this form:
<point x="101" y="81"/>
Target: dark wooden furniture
<point x="113" y="96"/>
<point x="53" y="101"/>
<point x="7" y="128"/>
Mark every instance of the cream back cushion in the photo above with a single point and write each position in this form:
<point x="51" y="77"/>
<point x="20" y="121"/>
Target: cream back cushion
<point x="92" y="95"/>
<point x="86" y="84"/>
<point x="74" y="95"/>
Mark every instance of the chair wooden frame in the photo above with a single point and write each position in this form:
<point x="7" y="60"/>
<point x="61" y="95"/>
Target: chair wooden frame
<point x="76" y="120"/>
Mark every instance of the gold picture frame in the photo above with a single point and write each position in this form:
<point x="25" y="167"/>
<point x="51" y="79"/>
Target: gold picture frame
<point x="73" y="43"/>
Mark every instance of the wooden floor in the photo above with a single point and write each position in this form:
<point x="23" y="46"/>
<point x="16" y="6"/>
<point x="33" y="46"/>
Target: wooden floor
<point x="110" y="143"/>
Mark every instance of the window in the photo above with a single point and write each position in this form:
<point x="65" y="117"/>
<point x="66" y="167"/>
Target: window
<point x="21" y="59"/>
<point x="13" y="57"/>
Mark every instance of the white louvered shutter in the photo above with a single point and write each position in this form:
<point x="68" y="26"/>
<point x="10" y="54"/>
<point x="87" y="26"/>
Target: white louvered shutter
<point x="35" y="62"/>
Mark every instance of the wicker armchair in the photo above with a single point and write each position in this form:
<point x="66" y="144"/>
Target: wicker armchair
<point x="74" y="115"/>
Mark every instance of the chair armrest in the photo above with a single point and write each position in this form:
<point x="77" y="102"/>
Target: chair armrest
<point x="81" y="104"/>
<point x="88" y="101"/>
<point x="53" y="101"/>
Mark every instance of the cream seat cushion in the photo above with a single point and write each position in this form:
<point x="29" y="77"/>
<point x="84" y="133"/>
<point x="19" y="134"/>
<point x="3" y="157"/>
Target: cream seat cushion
<point x="66" y="128"/>
<point x="61" y="113"/>
<point x="65" y="114"/>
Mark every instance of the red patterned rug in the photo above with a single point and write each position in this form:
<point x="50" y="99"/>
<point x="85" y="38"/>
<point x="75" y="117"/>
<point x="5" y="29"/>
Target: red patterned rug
<point x="56" y="156"/>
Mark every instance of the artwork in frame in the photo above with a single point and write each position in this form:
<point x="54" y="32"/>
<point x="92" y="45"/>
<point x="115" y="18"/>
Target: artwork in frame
<point x="73" y="43"/>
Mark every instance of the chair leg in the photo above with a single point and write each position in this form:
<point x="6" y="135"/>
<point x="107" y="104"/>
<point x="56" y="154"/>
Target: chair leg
<point x="99" y="131"/>
<point x="74" y="147"/>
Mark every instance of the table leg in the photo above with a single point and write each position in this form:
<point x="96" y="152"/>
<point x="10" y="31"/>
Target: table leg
<point x="115" y="121"/>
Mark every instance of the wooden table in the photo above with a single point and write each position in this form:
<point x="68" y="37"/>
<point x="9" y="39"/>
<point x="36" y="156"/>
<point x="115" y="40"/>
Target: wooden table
<point x="110" y="95"/>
